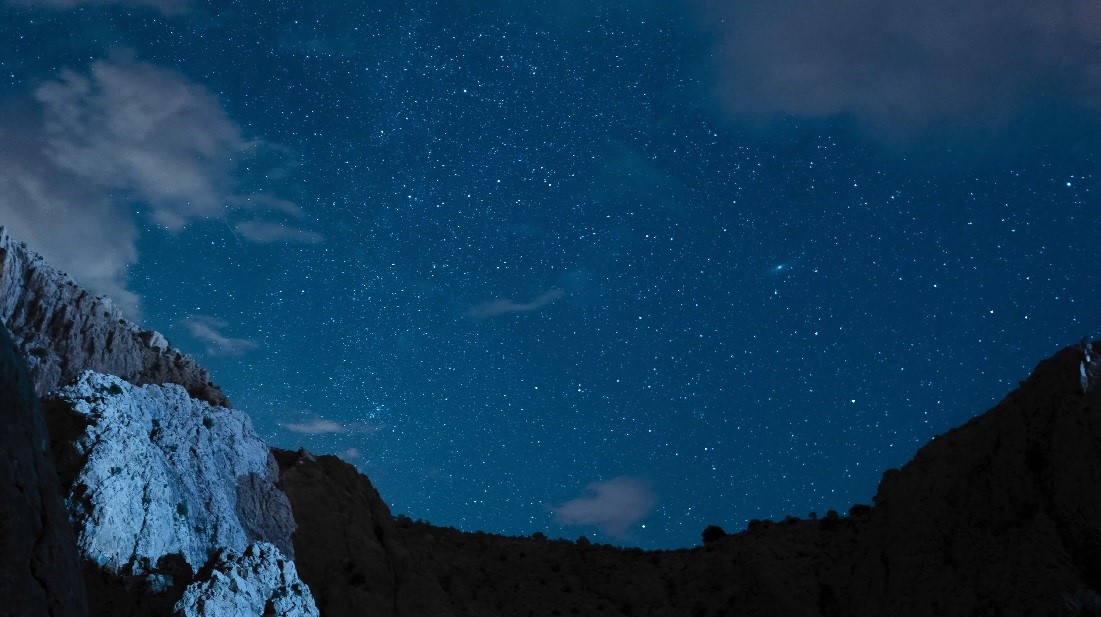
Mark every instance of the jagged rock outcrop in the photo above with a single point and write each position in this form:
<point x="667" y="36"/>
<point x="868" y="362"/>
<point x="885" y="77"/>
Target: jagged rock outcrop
<point x="63" y="330"/>
<point x="347" y="547"/>
<point x="259" y="581"/>
<point x="39" y="564"/>
<point x="152" y="472"/>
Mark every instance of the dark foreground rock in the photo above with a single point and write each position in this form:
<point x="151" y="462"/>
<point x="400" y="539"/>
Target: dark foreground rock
<point x="39" y="565"/>
<point x="347" y="546"/>
<point x="63" y="330"/>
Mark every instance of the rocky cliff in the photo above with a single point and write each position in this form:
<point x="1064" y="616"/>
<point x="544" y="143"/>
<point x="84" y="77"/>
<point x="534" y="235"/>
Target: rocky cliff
<point x="63" y="330"/>
<point x="157" y="483"/>
<point x="39" y="564"/>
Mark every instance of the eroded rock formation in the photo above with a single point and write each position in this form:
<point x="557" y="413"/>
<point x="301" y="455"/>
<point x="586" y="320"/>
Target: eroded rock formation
<point x="153" y="472"/>
<point x="63" y="330"/>
<point x="259" y="581"/>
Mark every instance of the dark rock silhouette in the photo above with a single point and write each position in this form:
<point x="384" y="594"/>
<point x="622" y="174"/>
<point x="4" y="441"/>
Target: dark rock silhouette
<point x="999" y="517"/>
<point x="347" y="546"/>
<point x="63" y="330"/>
<point x="39" y="565"/>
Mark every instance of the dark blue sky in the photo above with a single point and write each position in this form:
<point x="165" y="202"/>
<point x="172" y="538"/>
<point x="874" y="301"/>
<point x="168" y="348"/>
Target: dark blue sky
<point x="614" y="269"/>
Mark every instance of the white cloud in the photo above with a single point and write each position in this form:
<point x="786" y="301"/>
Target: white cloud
<point x="613" y="506"/>
<point x="209" y="330"/>
<point x="902" y="66"/>
<point x="125" y="133"/>
<point x="147" y="131"/>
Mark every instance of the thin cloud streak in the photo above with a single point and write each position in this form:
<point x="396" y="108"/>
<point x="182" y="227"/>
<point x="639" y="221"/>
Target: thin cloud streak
<point x="210" y="330"/>
<point x="507" y="305"/>
<point x="318" y="425"/>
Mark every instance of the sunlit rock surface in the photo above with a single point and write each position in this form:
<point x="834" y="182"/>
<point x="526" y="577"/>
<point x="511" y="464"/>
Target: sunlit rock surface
<point x="152" y="472"/>
<point x="259" y="581"/>
<point x="63" y="330"/>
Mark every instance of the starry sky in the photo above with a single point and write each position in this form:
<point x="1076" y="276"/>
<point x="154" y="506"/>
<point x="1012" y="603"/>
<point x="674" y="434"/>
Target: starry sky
<point x="620" y="269"/>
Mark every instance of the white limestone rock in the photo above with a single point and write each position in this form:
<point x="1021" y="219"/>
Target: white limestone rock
<point x="63" y="330"/>
<point x="260" y="581"/>
<point x="161" y="473"/>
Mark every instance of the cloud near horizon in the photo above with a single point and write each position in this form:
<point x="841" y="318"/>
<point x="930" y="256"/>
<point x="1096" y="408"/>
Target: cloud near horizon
<point x="210" y="330"/>
<point x="613" y="506"/>
<point x="902" y="67"/>
<point x="507" y="305"/>
<point x="78" y="157"/>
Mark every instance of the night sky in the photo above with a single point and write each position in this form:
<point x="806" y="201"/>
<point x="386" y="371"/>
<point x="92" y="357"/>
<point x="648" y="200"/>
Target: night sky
<point x="620" y="269"/>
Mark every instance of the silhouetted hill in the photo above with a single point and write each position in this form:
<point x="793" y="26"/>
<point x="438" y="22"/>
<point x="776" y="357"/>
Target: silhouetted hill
<point x="999" y="517"/>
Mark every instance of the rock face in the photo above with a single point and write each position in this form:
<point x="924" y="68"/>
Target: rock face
<point x="260" y="581"/>
<point x="63" y="330"/>
<point x="999" y="516"/>
<point x="39" y="565"/>
<point x="347" y="547"/>
<point x="152" y="472"/>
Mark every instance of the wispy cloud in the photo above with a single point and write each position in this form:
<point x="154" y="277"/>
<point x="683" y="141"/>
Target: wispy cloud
<point x="168" y="7"/>
<point x="78" y="155"/>
<point x="351" y="454"/>
<point x="507" y="305"/>
<point x="613" y="506"/>
<point x="210" y="330"/>
<point x="901" y="66"/>
<point x="317" y="425"/>
<point x="266" y="232"/>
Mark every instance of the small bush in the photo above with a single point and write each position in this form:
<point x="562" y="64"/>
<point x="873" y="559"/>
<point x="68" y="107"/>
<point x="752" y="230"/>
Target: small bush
<point x="713" y="533"/>
<point x="860" y="511"/>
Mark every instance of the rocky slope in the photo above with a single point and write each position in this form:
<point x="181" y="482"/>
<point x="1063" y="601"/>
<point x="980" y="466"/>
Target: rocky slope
<point x="39" y="565"/>
<point x="63" y="330"/>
